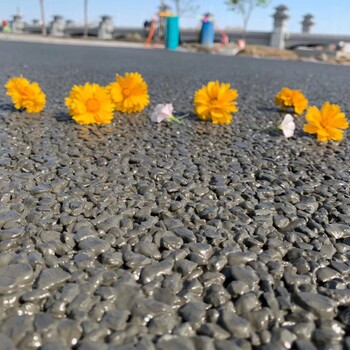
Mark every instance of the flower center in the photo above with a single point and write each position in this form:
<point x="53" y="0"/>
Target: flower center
<point x="213" y="103"/>
<point x="126" y="92"/>
<point x="92" y="105"/>
<point x="24" y="91"/>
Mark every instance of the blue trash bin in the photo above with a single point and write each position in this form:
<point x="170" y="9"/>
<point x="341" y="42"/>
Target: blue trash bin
<point x="207" y="33"/>
<point x="172" y="36"/>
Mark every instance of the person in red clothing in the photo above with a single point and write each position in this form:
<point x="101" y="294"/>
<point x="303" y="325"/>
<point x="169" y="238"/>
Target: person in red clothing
<point x="6" y="26"/>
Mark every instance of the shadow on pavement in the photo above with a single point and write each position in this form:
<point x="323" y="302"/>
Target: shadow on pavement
<point x="63" y="117"/>
<point x="9" y="107"/>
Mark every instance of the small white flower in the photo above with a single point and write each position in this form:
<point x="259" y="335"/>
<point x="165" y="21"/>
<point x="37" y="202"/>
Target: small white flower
<point x="162" y="112"/>
<point x="287" y="126"/>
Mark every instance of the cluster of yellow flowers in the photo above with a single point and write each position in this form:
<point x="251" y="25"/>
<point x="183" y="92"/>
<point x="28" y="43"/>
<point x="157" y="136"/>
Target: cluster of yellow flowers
<point x="89" y="103"/>
<point x="328" y="123"/>
<point x="95" y="104"/>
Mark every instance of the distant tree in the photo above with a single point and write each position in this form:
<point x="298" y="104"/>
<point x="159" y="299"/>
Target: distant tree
<point x="86" y="26"/>
<point x="185" y="7"/>
<point x="245" y="8"/>
<point x="43" y="22"/>
<point x="163" y="7"/>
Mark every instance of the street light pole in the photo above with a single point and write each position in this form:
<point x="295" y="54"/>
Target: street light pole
<point x="86" y="28"/>
<point x="43" y="24"/>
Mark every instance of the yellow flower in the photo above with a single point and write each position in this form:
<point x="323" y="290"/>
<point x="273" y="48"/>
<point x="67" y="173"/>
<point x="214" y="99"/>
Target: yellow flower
<point x="215" y="102"/>
<point x="327" y="123"/>
<point x="26" y="95"/>
<point x="292" y="98"/>
<point x="90" y="104"/>
<point x="129" y="93"/>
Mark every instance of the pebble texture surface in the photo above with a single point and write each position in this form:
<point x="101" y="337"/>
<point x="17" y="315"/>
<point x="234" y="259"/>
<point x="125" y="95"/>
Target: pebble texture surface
<point x="170" y="237"/>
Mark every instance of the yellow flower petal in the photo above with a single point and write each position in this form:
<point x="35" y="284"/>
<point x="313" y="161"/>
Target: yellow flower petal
<point x="310" y="129"/>
<point x="215" y="102"/>
<point x="90" y="104"/>
<point x="327" y="123"/>
<point x="129" y="93"/>
<point x="291" y="98"/>
<point x="322" y="138"/>
<point x="334" y="134"/>
<point x="26" y="95"/>
<point x="340" y="121"/>
<point x="313" y="115"/>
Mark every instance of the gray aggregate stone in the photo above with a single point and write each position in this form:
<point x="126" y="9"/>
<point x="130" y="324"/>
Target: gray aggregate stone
<point x="157" y="269"/>
<point x="168" y="342"/>
<point x="226" y="344"/>
<point x="322" y="337"/>
<point x="148" y="249"/>
<point x="171" y="243"/>
<point x="240" y="258"/>
<point x="342" y="268"/>
<point x="6" y="343"/>
<point x="280" y="221"/>
<point x="236" y="288"/>
<point x="185" y="234"/>
<point x="95" y="245"/>
<point x="185" y="267"/>
<point x="184" y="330"/>
<point x="13" y="277"/>
<point x="193" y="286"/>
<point x="325" y="274"/>
<point x="9" y="218"/>
<point x="114" y="259"/>
<point x="116" y="320"/>
<point x="16" y="327"/>
<point x="55" y="345"/>
<point x="237" y="326"/>
<point x="284" y="337"/>
<point x="347" y="343"/>
<point x="35" y="295"/>
<point x="12" y="233"/>
<point x="162" y="324"/>
<point x="134" y="261"/>
<point x="304" y="345"/>
<point x="92" y="346"/>
<point x="217" y="263"/>
<point x="202" y="249"/>
<point x="338" y="231"/>
<point x="320" y="305"/>
<point x="246" y="303"/>
<point x="203" y="342"/>
<point x="208" y="278"/>
<point x="304" y="330"/>
<point x="40" y="189"/>
<point x="260" y="319"/>
<point x="172" y="224"/>
<point x="194" y="313"/>
<point x="147" y="308"/>
<point x="51" y="277"/>
<point x="245" y="274"/>
<point x="216" y="295"/>
<point x="69" y="331"/>
<point x="198" y="259"/>
<point x="213" y="330"/>
<point x="173" y="282"/>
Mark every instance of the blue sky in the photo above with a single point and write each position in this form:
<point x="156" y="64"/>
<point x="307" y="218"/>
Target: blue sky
<point x="330" y="17"/>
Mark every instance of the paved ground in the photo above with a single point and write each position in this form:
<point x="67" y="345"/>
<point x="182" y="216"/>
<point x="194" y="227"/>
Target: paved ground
<point x="142" y="236"/>
<point x="38" y="39"/>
